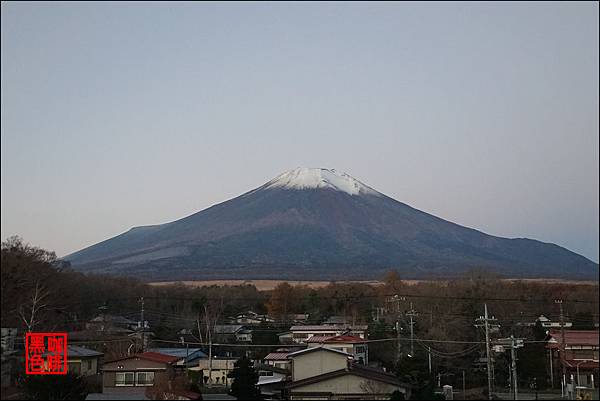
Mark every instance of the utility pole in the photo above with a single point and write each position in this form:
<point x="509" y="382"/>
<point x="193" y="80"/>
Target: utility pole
<point x="209" y="335"/>
<point x="396" y="299"/>
<point x="142" y="322"/>
<point x="103" y="309"/>
<point x="513" y="354"/>
<point x="485" y="322"/>
<point x="562" y="341"/>
<point x="411" y="314"/>
<point x="429" y="352"/>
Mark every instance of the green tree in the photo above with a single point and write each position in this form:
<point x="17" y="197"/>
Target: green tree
<point x="414" y="370"/>
<point x="244" y="382"/>
<point x="54" y="387"/>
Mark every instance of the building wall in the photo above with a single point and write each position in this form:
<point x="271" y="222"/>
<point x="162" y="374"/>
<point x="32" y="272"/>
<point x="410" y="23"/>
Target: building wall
<point x="81" y="366"/>
<point x="348" y="384"/>
<point x="317" y="363"/>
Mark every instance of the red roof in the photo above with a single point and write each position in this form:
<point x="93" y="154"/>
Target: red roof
<point x="346" y="339"/>
<point x="583" y="364"/>
<point x="156" y="357"/>
<point x="574" y="337"/>
<point x="276" y="356"/>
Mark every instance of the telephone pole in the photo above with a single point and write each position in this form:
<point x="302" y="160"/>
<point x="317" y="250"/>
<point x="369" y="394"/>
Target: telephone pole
<point x="562" y="342"/>
<point x="412" y="313"/>
<point x="513" y="355"/>
<point x="142" y="323"/>
<point x="484" y="321"/>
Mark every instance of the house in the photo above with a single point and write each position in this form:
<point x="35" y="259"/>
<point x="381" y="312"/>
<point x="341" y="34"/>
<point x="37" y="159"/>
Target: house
<point x="8" y="337"/>
<point x="271" y="380"/>
<point x="232" y="333"/>
<point x="279" y="358"/>
<point x="578" y="355"/>
<point x="300" y="318"/>
<point x="83" y="361"/>
<point x="336" y="320"/>
<point x="132" y="375"/>
<point x="285" y="337"/>
<point x="111" y="324"/>
<point x="215" y="371"/>
<point x="251" y="318"/>
<point x="187" y="356"/>
<point x="326" y="373"/>
<point x="302" y="333"/>
<point x="355" y="346"/>
<point x="547" y="323"/>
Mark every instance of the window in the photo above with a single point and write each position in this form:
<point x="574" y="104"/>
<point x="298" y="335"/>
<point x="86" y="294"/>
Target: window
<point x="265" y="373"/>
<point x="89" y="364"/>
<point x="124" y="379"/>
<point x="145" y="378"/>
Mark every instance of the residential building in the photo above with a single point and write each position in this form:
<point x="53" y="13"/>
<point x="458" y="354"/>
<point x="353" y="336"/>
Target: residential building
<point x="133" y="374"/>
<point x="230" y="333"/>
<point x="83" y="361"/>
<point x="355" y="346"/>
<point x="302" y="333"/>
<point x="279" y="357"/>
<point x="547" y="323"/>
<point x="578" y="355"/>
<point x="219" y="369"/>
<point x="188" y="357"/>
<point x="8" y="336"/>
<point x="271" y="380"/>
<point x="325" y="373"/>
<point x="111" y="324"/>
<point x="251" y="318"/>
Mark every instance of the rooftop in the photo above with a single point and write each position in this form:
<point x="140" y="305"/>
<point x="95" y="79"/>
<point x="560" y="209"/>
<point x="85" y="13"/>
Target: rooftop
<point x="573" y="337"/>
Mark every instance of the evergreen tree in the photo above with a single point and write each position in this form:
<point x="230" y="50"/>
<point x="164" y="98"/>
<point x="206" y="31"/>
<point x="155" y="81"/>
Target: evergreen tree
<point x="244" y="382"/>
<point x="54" y="387"/>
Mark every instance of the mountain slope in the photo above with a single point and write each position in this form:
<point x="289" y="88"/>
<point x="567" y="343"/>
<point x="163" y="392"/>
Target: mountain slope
<point x="317" y="223"/>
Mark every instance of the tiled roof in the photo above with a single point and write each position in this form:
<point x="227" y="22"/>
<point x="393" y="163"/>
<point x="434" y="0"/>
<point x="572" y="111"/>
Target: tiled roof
<point x="276" y="356"/>
<point x="583" y="364"/>
<point x="346" y="339"/>
<point x="574" y="337"/>
<point x="361" y="371"/>
<point x="82" y="352"/>
<point x="328" y="328"/>
<point x="315" y="349"/>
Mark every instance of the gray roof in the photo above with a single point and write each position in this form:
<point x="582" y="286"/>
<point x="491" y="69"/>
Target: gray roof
<point x="126" y="397"/>
<point x="82" y="352"/>
<point x="228" y="328"/>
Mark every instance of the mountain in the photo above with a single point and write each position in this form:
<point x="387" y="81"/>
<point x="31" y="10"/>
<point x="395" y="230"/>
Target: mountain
<point x="320" y="224"/>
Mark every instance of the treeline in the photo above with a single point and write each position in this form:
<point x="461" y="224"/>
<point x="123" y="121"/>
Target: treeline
<point x="41" y="293"/>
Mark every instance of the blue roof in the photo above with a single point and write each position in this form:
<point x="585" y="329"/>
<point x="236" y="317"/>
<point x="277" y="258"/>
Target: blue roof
<point x="191" y="353"/>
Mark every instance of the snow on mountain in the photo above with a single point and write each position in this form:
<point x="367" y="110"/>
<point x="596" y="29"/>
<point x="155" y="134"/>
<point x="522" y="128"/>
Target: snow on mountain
<point x="310" y="178"/>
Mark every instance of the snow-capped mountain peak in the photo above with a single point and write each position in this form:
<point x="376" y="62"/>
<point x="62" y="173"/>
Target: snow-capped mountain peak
<point x="310" y="178"/>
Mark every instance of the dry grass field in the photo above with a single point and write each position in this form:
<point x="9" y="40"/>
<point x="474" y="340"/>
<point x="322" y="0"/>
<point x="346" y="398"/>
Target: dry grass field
<point x="267" y="285"/>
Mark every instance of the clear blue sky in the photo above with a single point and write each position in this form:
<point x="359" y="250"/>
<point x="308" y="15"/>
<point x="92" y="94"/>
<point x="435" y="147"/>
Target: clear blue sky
<point x="118" y="115"/>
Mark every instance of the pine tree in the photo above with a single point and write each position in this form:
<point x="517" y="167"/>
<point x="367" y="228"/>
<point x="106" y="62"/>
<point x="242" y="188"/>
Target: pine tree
<point x="244" y="382"/>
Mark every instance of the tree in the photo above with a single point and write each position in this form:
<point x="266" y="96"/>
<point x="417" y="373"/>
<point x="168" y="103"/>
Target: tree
<point x="583" y="321"/>
<point x="281" y="301"/>
<point x="54" y="387"/>
<point x="244" y="382"/>
<point x="414" y="370"/>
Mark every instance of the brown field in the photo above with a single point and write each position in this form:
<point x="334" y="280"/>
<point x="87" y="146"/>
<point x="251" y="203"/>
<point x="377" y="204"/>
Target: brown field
<point x="267" y="285"/>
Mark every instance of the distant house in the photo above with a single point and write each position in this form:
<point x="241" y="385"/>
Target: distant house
<point x="188" y="357"/>
<point x="580" y="356"/>
<point x="336" y="320"/>
<point x="355" y="346"/>
<point x="83" y="361"/>
<point x="133" y="374"/>
<point x="251" y="318"/>
<point x="232" y="333"/>
<point x="111" y="324"/>
<point x="300" y="318"/>
<point x="325" y="373"/>
<point x="302" y="333"/>
<point x="8" y="337"/>
<point x="547" y="323"/>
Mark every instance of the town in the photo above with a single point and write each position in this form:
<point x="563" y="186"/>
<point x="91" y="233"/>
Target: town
<point x="471" y="338"/>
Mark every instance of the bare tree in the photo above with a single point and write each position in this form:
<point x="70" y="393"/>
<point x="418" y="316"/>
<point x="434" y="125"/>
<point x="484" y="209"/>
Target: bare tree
<point x="30" y="313"/>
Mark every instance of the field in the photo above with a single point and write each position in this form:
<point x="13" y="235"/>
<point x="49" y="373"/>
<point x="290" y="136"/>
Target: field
<point x="267" y="285"/>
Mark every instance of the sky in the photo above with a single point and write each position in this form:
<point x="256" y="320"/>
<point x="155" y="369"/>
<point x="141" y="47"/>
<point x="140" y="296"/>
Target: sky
<point x="120" y="115"/>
